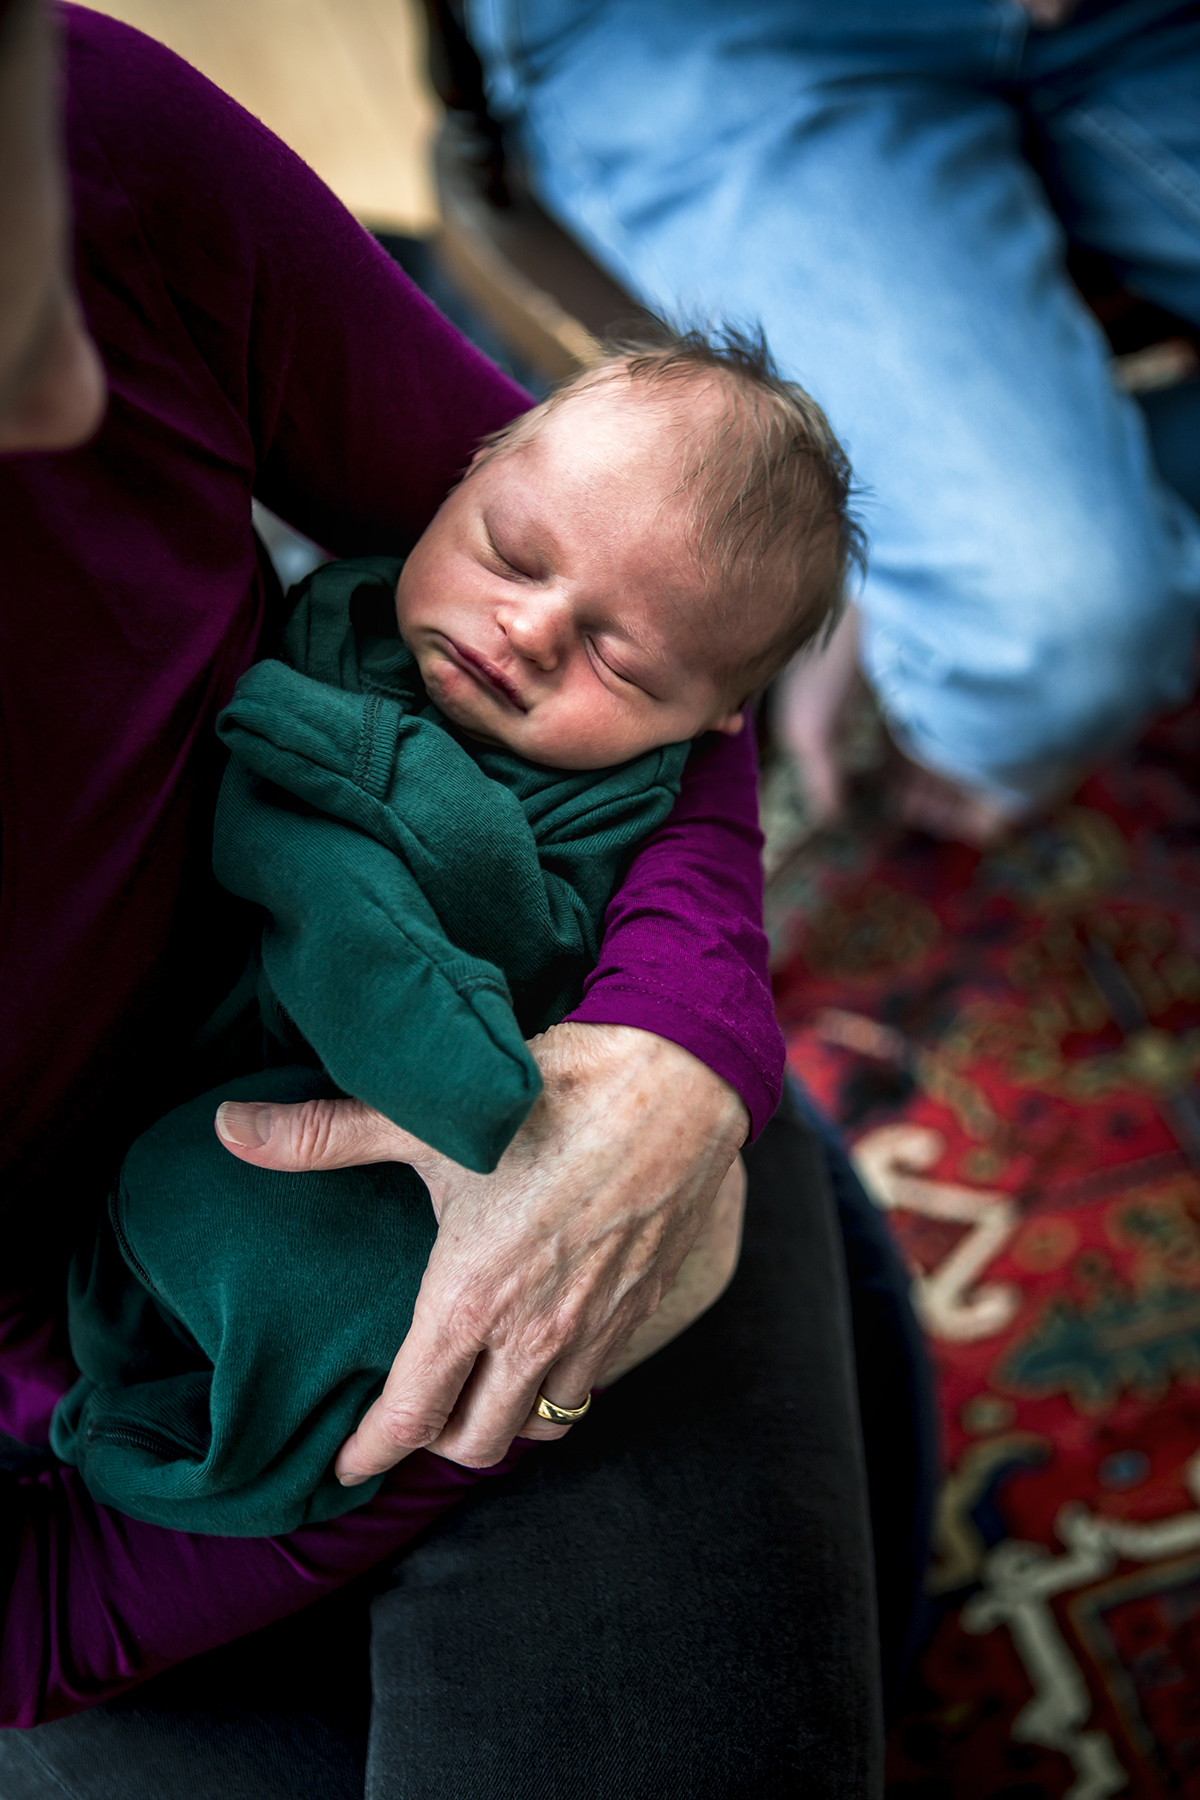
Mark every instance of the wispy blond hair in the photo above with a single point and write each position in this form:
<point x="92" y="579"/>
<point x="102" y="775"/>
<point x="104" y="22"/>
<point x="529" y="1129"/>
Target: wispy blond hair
<point x="768" y="487"/>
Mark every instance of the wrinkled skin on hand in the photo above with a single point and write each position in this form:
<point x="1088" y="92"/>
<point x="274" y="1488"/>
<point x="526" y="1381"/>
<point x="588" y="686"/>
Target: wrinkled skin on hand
<point x="542" y="1270"/>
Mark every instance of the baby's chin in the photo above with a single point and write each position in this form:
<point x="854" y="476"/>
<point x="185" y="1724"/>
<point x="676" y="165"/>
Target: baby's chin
<point x="470" y="726"/>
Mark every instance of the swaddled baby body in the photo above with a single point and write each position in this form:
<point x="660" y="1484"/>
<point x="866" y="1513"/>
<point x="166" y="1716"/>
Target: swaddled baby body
<point x="432" y="791"/>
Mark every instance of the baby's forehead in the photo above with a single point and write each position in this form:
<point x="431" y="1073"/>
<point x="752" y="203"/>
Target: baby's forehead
<point x="651" y="440"/>
<point x="672" y="408"/>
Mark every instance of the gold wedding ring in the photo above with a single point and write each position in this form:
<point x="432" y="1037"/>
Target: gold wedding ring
<point x="559" y="1415"/>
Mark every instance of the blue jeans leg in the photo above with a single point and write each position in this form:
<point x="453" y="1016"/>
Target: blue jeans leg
<point x="1119" y="150"/>
<point x="856" y="178"/>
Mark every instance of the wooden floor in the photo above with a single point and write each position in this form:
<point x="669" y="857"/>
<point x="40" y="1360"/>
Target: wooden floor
<point x="341" y="81"/>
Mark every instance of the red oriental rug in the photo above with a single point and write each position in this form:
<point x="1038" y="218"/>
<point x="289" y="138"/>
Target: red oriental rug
<point x="1010" y="1043"/>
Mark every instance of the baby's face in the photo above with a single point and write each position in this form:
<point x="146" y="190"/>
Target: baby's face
<point x="554" y="605"/>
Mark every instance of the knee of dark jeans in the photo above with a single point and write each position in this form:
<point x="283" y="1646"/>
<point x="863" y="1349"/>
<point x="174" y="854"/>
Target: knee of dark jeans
<point x="897" y="1401"/>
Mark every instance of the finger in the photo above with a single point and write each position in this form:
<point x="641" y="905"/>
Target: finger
<point x="423" y="1386"/>
<point x="499" y="1403"/>
<point x="491" y="1411"/>
<point x="559" y="1392"/>
<point x="314" y="1134"/>
<point x="567" y="1383"/>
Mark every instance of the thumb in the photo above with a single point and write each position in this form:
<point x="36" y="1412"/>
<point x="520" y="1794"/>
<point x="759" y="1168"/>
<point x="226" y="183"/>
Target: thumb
<point x="314" y="1134"/>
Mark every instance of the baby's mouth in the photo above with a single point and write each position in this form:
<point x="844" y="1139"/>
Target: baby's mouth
<point x="486" y="673"/>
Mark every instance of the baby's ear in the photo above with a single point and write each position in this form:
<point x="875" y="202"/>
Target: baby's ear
<point x="731" y="724"/>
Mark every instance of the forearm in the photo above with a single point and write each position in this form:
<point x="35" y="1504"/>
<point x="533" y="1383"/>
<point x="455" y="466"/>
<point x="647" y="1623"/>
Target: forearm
<point x="684" y="954"/>
<point x="96" y="1602"/>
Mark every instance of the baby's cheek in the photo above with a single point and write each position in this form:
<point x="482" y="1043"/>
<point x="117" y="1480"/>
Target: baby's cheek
<point x="401" y="599"/>
<point x="595" y="737"/>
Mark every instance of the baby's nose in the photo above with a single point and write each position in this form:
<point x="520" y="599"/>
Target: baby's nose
<point x="537" y="630"/>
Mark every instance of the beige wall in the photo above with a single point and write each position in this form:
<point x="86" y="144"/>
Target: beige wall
<point x="341" y="81"/>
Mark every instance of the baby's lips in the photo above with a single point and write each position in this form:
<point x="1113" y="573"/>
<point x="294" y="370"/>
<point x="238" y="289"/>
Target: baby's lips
<point x="492" y="677"/>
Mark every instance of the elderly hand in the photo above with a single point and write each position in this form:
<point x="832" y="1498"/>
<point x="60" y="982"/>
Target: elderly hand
<point x="542" y="1269"/>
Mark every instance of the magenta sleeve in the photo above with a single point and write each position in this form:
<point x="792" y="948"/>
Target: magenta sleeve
<point x="684" y="953"/>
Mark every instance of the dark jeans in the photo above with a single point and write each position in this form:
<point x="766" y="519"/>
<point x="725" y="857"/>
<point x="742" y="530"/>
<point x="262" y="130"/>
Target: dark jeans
<point x="678" y="1600"/>
<point x="896" y="1406"/>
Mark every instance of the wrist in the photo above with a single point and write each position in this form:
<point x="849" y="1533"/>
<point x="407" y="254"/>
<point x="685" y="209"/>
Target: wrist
<point x="667" y="1077"/>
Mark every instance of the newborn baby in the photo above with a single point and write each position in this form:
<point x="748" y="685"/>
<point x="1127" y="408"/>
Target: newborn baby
<point x="434" y="821"/>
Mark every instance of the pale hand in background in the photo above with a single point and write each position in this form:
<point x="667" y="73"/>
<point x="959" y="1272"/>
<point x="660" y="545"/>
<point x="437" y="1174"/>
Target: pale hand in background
<point x="809" y="706"/>
<point x="811" y="702"/>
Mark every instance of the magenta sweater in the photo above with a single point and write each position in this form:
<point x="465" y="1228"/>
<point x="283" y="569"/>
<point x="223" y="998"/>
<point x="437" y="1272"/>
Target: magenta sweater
<point x="256" y="341"/>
